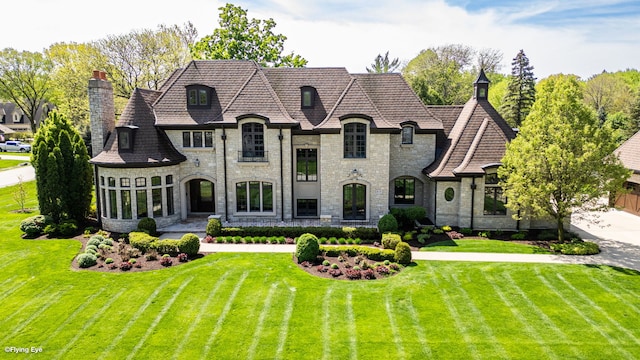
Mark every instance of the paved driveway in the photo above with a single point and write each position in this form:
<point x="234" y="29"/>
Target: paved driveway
<point x="12" y="176"/>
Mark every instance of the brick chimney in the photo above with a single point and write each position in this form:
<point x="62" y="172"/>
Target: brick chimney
<point x="101" y="110"/>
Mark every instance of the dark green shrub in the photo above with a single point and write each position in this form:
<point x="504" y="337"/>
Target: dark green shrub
<point x="577" y="248"/>
<point x="546" y="235"/>
<point x="389" y="241"/>
<point x="415" y="213"/>
<point x="307" y="248"/>
<point x="403" y="253"/>
<point x="370" y="253"/>
<point x="147" y="225"/>
<point x="50" y="230"/>
<point x="190" y="244"/>
<point x="401" y="217"/>
<point x="387" y="223"/>
<point x="519" y="235"/>
<point x="214" y="227"/>
<point x="34" y="226"/>
<point x="68" y="228"/>
<point x="141" y="240"/>
<point x="86" y="260"/>
<point x="466" y="231"/>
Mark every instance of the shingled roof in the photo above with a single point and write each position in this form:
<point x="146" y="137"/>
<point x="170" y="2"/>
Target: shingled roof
<point x="151" y="147"/>
<point x="629" y="153"/>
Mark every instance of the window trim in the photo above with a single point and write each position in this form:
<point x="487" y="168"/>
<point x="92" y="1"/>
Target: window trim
<point x="350" y="141"/>
<point x="306" y="176"/>
<point x="252" y="148"/>
<point x="401" y="199"/>
<point x="411" y="133"/>
<point x="198" y="97"/>
<point x="246" y="185"/>
<point x="495" y="193"/>
<point x="309" y="91"/>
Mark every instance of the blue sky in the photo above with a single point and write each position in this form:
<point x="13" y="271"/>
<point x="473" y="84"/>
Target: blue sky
<point x="579" y="37"/>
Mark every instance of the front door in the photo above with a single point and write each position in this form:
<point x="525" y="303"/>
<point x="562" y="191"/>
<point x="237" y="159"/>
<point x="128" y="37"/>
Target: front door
<point x="202" y="194"/>
<point x="354" y="202"/>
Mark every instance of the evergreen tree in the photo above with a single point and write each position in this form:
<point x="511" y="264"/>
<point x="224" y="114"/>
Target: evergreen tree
<point x="382" y="64"/>
<point x="562" y="160"/>
<point x="521" y="92"/>
<point x="63" y="174"/>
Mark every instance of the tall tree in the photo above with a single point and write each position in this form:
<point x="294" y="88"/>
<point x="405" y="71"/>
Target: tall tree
<point x="382" y="64"/>
<point x="521" y="91"/>
<point x="240" y="38"/>
<point x="145" y="58"/>
<point x="562" y="159"/>
<point x="63" y="174"/>
<point x="607" y="93"/>
<point x="24" y="80"/>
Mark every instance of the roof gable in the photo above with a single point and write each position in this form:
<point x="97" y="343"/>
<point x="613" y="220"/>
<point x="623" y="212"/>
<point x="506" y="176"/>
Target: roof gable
<point x="629" y="153"/>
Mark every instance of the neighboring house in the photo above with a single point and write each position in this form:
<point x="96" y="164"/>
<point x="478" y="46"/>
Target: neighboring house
<point x="15" y="119"/>
<point x="629" y="154"/>
<point x="244" y="142"/>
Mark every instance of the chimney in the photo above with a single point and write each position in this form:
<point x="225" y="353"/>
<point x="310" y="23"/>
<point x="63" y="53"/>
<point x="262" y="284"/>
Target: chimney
<point x="101" y="110"/>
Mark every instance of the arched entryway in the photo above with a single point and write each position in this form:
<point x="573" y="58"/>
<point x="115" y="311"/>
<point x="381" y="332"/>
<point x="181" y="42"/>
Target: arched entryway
<point x="201" y="196"/>
<point x="354" y="201"/>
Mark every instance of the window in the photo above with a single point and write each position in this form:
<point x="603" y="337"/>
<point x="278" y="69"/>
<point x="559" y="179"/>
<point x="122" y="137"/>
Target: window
<point x="126" y="203"/>
<point x="254" y="196"/>
<point x="404" y="191"/>
<point x="125" y="182"/>
<point x="449" y="194"/>
<point x="208" y="139"/>
<point x="355" y="140"/>
<point x="169" y="179"/>
<point x="354" y="202"/>
<point x="156" y="199"/>
<point x="494" y="199"/>
<point x="111" y="182"/>
<point x="113" y="202"/>
<point x="170" y="208"/>
<point x="141" y="203"/>
<point x="307" y="164"/>
<point x="104" y="203"/>
<point x="141" y="182"/>
<point x="195" y="139"/>
<point x="186" y="139"/>
<point x="307" y="97"/>
<point x="198" y="97"/>
<point x="102" y="180"/>
<point x="407" y="134"/>
<point x="252" y="140"/>
<point x="307" y="207"/>
<point x="124" y="139"/>
<point x="156" y="181"/>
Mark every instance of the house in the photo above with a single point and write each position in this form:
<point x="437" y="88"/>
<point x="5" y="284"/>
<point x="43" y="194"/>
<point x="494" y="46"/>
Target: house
<point x="15" y="119"/>
<point x="629" y="154"/>
<point x="233" y="139"/>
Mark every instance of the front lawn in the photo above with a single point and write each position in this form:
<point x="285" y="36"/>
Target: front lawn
<point x="7" y="164"/>
<point x="262" y="306"/>
<point x="484" y="246"/>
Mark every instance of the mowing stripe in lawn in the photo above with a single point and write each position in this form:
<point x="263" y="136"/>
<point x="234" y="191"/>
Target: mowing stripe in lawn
<point x="615" y="293"/>
<point x="284" y="327"/>
<point x="621" y="329"/>
<point x="448" y="302"/>
<point x="13" y="257"/>
<point x="420" y="333"/>
<point x="223" y="315"/>
<point x="251" y="352"/>
<point x="201" y="313"/>
<point x="25" y="305"/>
<point x="615" y="344"/>
<point x="71" y="317"/>
<point x="351" y="321"/>
<point x="52" y="299"/>
<point x="531" y="332"/>
<point x="397" y="338"/>
<point x="546" y="320"/>
<point x="158" y="318"/>
<point x="12" y="288"/>
<point x="96" y="316"/>
<point x="326" y="335"/>
<point x="477" y="314"/>
<point x="135" y="317"/>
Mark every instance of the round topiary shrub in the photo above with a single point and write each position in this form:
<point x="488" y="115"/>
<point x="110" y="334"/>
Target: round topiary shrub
<point x="390" y="241"/>
<point x="403" y="253"/>
<point x="214" y="227"/>
<point x="86" y="260"/>
<point x="387" y="223"/>
<point x="189" y="244"/>
<point x="34" y="226"/>
<point x="94" y="240"/>
<point x="147" y="225"/>
<point x="307" y="248"/>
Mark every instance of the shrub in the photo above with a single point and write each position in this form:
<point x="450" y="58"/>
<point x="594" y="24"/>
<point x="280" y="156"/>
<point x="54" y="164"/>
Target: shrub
<point x="387" y="223"/>
<point x="307" y="248"/>
<point x="86" y="260"/>
<point x="190" y="244"/>
<point x="446" y="228"/>
<point x="382" y="270"/>
<point x="519" y="235"/>
<point x="335" y="272"/>
<point x="142" y="241"/>
<point x="108" y="261"/>
<point x="214" y="227"/>
<point x="91" y="247"/>
<point x="438" y="231"/>
<point x="453" y="235"/>
<point x="415" y="213"/>
<point x="368" y="274"/>
<point x="322" y="268"/>
<point x="403" y="253"/>
<point x="147" y="225"/>
<point x="182" y="257"/>
<point x="326" y="263"/>
<point x="68" y="228"/>
<point x="389" y="241"/>
<point x="422" y="238"/>
<point x="466" y="231"/>
<point x="94" y="240"/>
<point x="125" y="266"/>
<point x="353" y="274"/>
<point x="167" y="246"/>
<point x="577" y="248"/>
<point x="34" y="226"/>
<point x="166" y="261"/>
<point x="546" y="235"/>
<point x="151" y="255"/>
<point x="408" y="236"/>
<point x="394" y="267"/>
<point x="50" y="230"/>
<point x="349" y="231"/>
<point x="370" y="253"/>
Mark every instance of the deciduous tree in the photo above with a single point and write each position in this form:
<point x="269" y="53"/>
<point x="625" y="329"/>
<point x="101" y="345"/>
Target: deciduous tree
<point x="25" y="81"/>
<point x="562" y="159"/>
<point x="521" y="91"/>
<point x="240" y="38"/>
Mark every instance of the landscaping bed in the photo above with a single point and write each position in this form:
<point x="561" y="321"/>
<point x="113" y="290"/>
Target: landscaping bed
<point x="344" y="266"/>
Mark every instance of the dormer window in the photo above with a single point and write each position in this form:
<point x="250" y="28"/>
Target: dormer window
<point x="125" y="138"/>
<point x="407" y="134"/>
<point x="198" y="96"/>
<point x="307" y="97"/>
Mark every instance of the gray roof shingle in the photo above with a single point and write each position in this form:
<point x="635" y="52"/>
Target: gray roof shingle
<point x="629" y="153"/>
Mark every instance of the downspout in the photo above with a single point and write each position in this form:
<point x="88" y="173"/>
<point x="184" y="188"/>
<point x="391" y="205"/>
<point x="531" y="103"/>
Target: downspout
<point x="435" y="204"/>
<point x="224" y="157"/>
<point x="98" y="198"/>
<point x="281" y="137"/>
<point x="473" y="193"/>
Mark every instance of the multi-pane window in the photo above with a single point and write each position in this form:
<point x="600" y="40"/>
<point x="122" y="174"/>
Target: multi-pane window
<point x="208" y="139"/>
<point x="407" y="134"/>
<point x="113" y="202"/>
<point x="141" y="182"/>
<point x="197" y="139"/>
<point x="170" y="208"/>
<point x="126" y="204"/>
<point x="307" y="164"/>
<point x="307" y="97"/>
<point x="125" y="182"/>
<point x="186" y="139"/>
<point x="252" y="140"/>
<point x="355" y="140"/>
<point x="404" y="191"/>
<point x="254" y="196"/>
<point x="141" y="203"/>
<point x="307" y="207"/>
<point x="198" y="97"/>
<point x="494" y="199"/>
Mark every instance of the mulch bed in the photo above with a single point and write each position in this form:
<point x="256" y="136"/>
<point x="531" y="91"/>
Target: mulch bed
<point x="345" y="264"/>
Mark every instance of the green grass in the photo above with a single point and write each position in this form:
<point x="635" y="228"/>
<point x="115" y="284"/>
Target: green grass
<point x="7" y="164"/>
<point x="261" y="306"/>
<point x="484" y="246"/>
